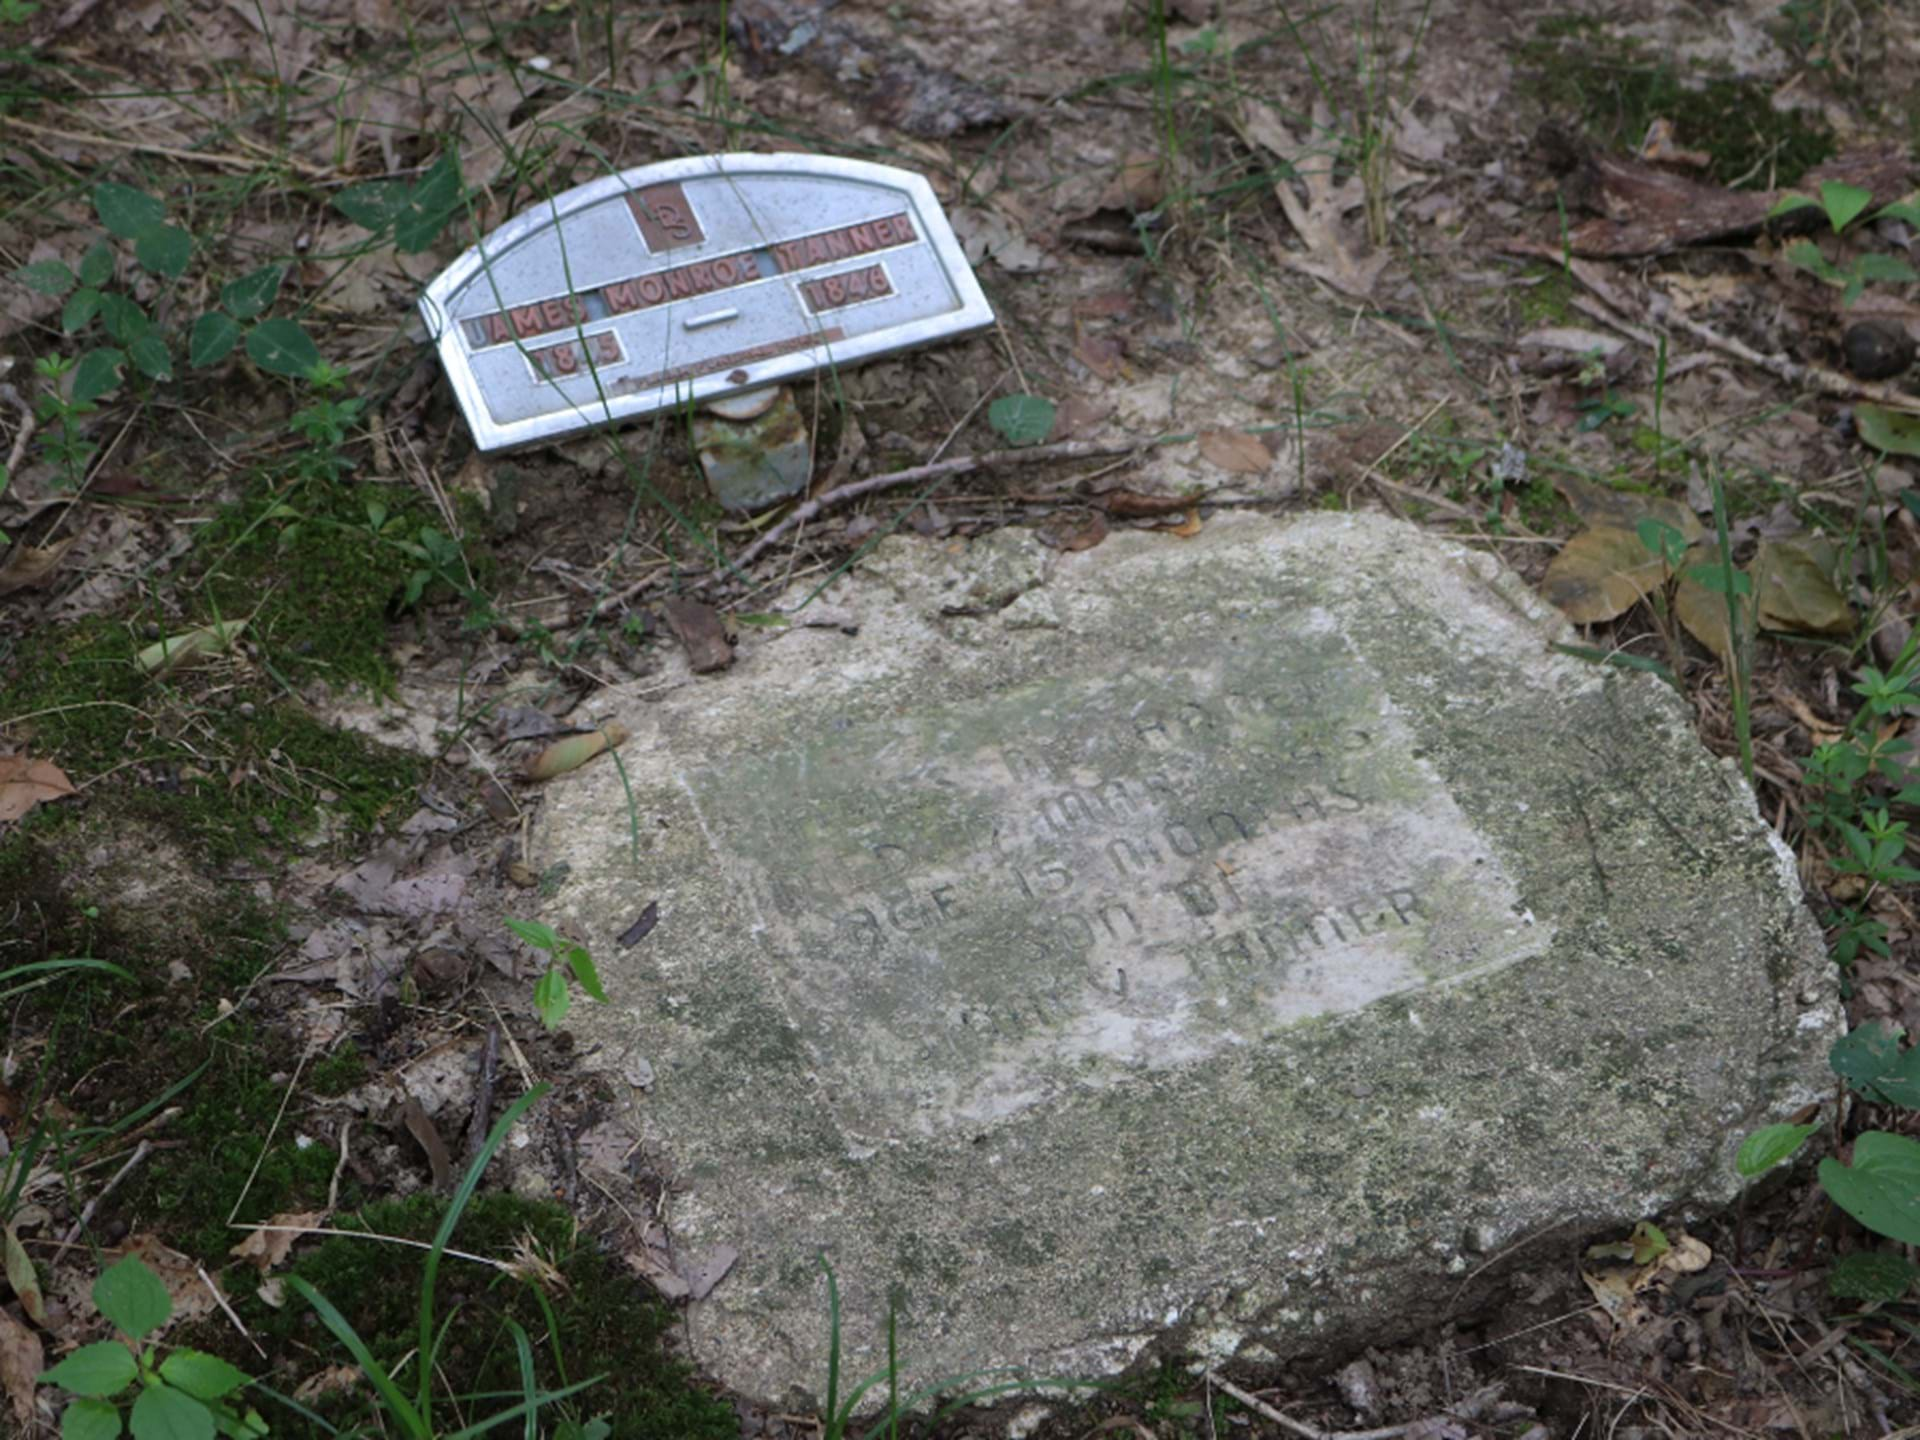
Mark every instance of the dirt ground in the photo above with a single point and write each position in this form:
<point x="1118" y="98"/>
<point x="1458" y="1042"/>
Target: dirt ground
<point x="1506" y="269"/>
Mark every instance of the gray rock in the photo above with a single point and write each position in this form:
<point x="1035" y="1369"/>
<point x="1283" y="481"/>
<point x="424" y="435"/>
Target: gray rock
<point x="1233" y="967"/>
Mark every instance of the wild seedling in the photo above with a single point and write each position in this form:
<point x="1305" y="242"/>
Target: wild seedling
<point x="552" y="997"/>
<point x="188" y="1395"/>
<point x="412" y="1415"/>
<point x="1843" y="205"/>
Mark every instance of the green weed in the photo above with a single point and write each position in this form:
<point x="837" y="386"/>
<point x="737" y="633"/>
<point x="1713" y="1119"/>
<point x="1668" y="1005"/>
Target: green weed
<point x="186" y="1396"/>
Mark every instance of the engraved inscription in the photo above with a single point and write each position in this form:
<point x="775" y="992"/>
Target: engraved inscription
<point x="575" y="357"/>
<point x="1078" y="881"/>
<point x="845" y="243"/>
<point x="665" y="218"/>
<point x="831" y="292"/>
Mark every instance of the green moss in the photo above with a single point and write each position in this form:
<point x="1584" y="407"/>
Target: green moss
<point x="1616" y="90"/>
<point x="339" y="1072"/>
<point x="218" y="761"/>
<point x="600" y="1321"/>
<point x="313" y="576"/>
<point x="1547" y="301"/>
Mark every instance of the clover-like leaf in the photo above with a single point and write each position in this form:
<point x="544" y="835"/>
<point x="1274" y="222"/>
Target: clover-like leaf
<point x="1022" y="419"/>
<point x="46" y="277"/>
<point x="253" y="292"/>
<point x="164" y="249"/>
<point x="206" y="1376"/>
<point x="1873" y="1276"/>
<point x="97" y="374"/>
<point x="282" y="347"/>
<point x="163" y="1413"/>
<point x="552" y="998"/>
<point x="127" y="212"/>
<point x="1843" y="202"/>
<point x="212" y="339"/>
<point x="150" y="356"/>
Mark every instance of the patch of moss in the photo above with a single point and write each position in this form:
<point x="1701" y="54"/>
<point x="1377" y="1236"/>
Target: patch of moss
<point x="313" y="576"/>
<point x="339" y="1072"/>
<point x="1616" y="91"/>
<point x="599" y="1322"/>
<point x="122" y="1050"/>
<point x="211" y="754"/>
<point x="1548" y="301"/>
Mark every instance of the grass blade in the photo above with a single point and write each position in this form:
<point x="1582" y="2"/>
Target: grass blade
<point x="397" y="1404"/>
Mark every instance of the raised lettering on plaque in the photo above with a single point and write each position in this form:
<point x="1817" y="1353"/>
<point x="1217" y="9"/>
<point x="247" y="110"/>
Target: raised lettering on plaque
<point x="693" y="279"/>
<point x="972" y="913"/>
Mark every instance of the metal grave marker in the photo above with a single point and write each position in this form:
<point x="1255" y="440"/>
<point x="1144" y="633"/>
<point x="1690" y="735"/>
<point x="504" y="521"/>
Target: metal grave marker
<point x="692" y="279"/>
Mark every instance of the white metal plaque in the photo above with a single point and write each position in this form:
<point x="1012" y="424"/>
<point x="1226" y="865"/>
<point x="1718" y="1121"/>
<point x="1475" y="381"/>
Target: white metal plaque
<point x="693" y="279"/>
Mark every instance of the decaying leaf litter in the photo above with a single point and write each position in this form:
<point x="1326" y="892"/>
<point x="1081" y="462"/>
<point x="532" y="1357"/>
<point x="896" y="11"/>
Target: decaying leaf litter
<point x="1581" y="320"/>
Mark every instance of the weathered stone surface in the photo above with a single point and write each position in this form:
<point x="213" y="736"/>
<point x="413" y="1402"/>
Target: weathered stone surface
<point x="1233" y="940"/>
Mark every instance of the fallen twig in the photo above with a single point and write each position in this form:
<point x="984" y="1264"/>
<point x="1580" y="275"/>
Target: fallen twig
<point x="25" y="433"/>
<point x="1468" y="1409"/>
<point x="962" y="465"/>
<point x="483" y="1095"/>
<point x="140" y="1153"/>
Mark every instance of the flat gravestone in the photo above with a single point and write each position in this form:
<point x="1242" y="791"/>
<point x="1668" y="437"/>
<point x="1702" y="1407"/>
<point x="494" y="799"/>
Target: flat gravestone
<point x="1233" y="941"/>
<point x="690" y="280"/>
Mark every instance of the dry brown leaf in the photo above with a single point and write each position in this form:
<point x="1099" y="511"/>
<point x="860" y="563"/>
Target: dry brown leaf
<point x="27" y="566"/>
<point x="25" y="783"/>
<point x="1317" y="219"/>
<point x="1598" y="505"/>
<point x="1189" y="527"/>
<point x="1602" y="573"/>
<point x="1794" y="589"/>
<point x="1075" y="530"/>
<point x="334" y="1380"/>
<point x="22" y="1358"/>
<point x="26" y="1283"/>
<point x="1138" y="186"/>
<point x="270" y="1245"/>
<point x="1236" y="451"/>
<point x="1704" y="611"/>
<point x="1132" y="505"/>
<point x="574" y="751"/>
<point x="1100" y="354"/>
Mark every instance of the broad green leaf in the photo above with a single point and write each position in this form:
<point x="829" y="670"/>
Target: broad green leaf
<point x="1602" y="573"/>
<point x="1843" y="203"/>
<point x="212" y="339"/>
<point x="127" y="212"/>
<point x="1022" y="419"/>
<point x="1881" y="1188"/>
<point x="1807" y="256"/>
<point x="415" y="212"/>
<point x="252" y="292"/>
<point x="541" y="937"/>
<point x="149" y="355"/>
<point x="552" y="998"/>
<point x="1871" y="1275"/>
<point x="1649" y="1242"/>
<point x="1891" y="430"/>
<point x="96" y="266"/>
<point x="24" y="1279"/>
<point x="1888" y="269"/>
<point x="97" y="374"/>
<point x="282" y="347"/>
<point x="1790" y="202"/>
<point x="1855" y="287"/>
<point x="581" y="963"/>
<point x="124" y="320"/>
<point x="1907" y="210"/>
<point x="132" y="1296"/>
<point x="1864" y="1054"/>
<point x="103" y="1368"/>
<point x="164" y="249"/>
<point x="90" y="1420"/>
<point x="46" y="277"/>
<point x="207" y="1376"/>
<point x="80" y="308"/>
<point x="1768" y="1146"/>
<point x="163" y="1413"/>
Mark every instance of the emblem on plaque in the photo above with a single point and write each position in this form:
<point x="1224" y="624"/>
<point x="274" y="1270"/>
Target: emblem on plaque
<point x="691" y="280"/>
